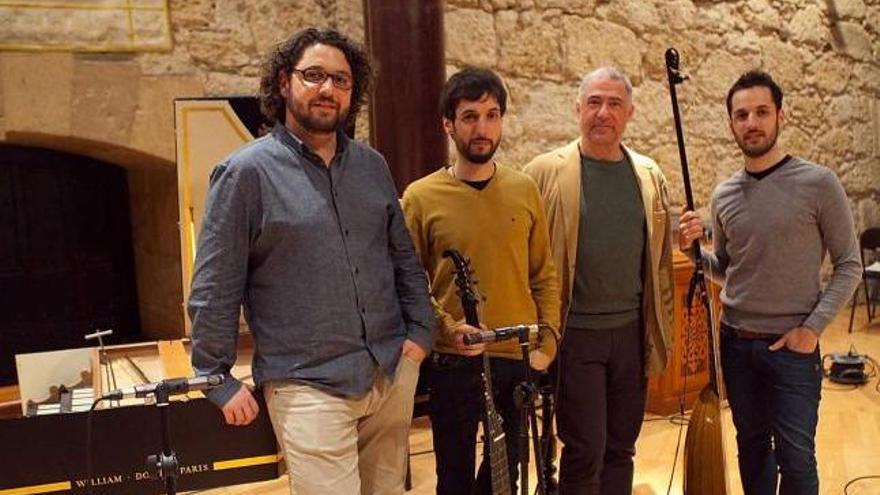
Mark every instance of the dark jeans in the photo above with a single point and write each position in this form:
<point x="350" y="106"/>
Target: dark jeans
<point x="774" y="398"/>
<point x="456" y="408"/>
<point x="601" y="404"/>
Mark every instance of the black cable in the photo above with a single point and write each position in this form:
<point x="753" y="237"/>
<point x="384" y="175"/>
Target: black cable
<point x="860" y="478"/>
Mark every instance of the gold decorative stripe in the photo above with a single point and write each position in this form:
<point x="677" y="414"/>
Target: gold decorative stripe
<point x="85" y="48"/>
<point x="80" y="6"/>
<point x="47" y="488"/>
<point x="244" y="462"/>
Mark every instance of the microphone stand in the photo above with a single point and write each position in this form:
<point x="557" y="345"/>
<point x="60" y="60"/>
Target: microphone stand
<point x="165" y="463"/>
<point x="524" y="396"/>
<point x="548" y="438"/>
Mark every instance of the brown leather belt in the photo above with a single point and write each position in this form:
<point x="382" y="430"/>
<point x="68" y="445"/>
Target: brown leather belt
<point x="749" y="335"/>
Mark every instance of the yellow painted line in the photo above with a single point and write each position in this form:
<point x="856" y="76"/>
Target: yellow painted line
<point x="130" y="22"/>
<point x="79" y="6"/>
<point x="244" y="462"/>
<point x="47" y="488"/>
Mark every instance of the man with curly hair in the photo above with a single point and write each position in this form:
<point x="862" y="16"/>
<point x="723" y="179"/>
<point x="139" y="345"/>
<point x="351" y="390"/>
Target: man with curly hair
<point x="303" y="229"/>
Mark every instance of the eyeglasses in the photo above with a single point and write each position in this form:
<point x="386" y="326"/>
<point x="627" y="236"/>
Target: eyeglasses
<point x="316" y="76"/>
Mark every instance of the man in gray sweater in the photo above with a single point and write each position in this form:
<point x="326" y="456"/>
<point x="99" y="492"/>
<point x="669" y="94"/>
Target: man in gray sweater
<point x="773" y="223"/>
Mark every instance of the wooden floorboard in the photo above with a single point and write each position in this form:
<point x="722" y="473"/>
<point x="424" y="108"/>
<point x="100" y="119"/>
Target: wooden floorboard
<point x="848" y="437"/>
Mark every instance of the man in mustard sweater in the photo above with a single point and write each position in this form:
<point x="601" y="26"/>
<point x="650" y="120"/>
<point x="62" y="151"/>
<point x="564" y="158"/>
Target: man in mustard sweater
<point x="607" y="208"/>
<point x="492" y="215"/>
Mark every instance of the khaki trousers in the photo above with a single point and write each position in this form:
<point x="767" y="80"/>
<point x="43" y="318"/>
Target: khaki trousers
<point x="345" y="446"/>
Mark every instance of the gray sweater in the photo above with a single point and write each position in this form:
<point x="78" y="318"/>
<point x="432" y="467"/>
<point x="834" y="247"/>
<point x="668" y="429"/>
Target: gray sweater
<point x="770" y="236"/>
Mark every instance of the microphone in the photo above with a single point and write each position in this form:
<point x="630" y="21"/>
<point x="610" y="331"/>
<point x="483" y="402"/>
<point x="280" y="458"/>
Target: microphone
<point x="499" y="334"/>
<point x="173" y="386"/>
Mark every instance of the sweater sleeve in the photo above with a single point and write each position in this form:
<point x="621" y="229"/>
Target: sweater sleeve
<point x="838" y="237"/>
<point x="715" y="262"/>
<point x="415" y="223"/>
<point x="543" y="282"/>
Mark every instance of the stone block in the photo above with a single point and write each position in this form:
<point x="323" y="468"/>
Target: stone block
<point x="175" y="62"/>
<point x="784" y="62"/>
<point x="223" y="51"/>
<point x="275" y="21"/>
<point x="691" y="48"/>
<point x="808" y="26"/>
<point x="653" y="111"/>
<point x="796" y="141"/>
<point x="716" y="73"/>
<point x="152" y="129"/>
<point x="867" y="77"/>
<point x="640" y="17"/>
<point x="850" y="9"/>
<point x="830" y="73"/>
<point x="528" y="45"/>
<point x="470" y="37"/>
<point x="590" y="44"/>
<point x="223" y="84"/>
<point x="855" y="41"/>
<point x="804" y="110"/>
<point x="579" y="7"/>
<point x="540" y="110"/>
<point x="105" y="96"/>
<point x="676" y="15"/>
<point x="37" y="92"/>
<point x="762" y="14"/>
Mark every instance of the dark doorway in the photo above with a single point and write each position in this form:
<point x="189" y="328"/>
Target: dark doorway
<point x="66" y="262"/>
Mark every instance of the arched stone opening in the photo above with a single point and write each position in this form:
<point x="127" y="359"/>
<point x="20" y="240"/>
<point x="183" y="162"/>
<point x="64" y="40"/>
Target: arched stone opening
<point x="89" y="241"/>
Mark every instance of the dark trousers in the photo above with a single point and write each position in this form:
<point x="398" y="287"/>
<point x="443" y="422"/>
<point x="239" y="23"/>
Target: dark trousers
<point x="774" y="398"/>
<point x="456" y="408"/>
<point x="602" y="397"/>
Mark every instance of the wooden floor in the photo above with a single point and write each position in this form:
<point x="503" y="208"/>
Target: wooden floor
<point x="848" y="437"/>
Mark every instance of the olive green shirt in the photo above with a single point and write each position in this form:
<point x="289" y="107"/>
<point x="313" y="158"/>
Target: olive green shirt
<point x="611" y="244"/>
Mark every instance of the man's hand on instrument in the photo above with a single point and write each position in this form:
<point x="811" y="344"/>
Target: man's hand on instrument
<point x="538" y="360"/>
<point x="413" y="351"/>
<point x="458" y="340"/>
<point x="242" y="408"/>
<point x="802" y="340"/>
<point x="690" y="228"/>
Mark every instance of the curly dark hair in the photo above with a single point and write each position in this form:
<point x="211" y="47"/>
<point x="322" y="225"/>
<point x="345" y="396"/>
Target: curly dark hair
<point x="471" y="83"/>
<point x="752" y="79"/>
<point x="284" y="56"/>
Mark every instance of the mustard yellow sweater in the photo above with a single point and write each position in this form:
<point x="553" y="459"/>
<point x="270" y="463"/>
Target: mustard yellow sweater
<point x="503" y="231"/>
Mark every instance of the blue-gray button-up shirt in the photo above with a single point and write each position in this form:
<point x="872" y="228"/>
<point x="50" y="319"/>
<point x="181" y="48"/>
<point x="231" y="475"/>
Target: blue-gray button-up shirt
<point x="319" y="258"/>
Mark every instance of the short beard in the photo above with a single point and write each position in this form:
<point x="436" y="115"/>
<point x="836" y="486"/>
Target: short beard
<point x="479" y="159"/>
<point x="317" y="126"/>
<point x="755" y="152"/>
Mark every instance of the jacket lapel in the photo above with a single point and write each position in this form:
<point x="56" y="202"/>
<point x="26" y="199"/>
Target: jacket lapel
<point x="570" y="195"/>
<point x="646" y="189"/>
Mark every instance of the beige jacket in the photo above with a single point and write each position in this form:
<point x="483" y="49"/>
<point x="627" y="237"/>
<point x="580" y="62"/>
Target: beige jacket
<point x="558" y="174"/>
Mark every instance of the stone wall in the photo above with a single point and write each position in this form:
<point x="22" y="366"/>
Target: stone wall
<point x="824" y="53"/>
<point x="118" y="107"/>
